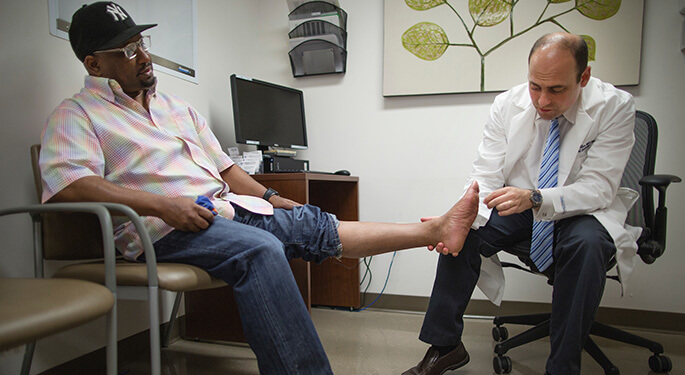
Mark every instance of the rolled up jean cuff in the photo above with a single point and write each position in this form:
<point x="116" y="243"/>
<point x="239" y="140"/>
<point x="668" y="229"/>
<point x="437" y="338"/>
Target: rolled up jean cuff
<point x="336" y="224"/>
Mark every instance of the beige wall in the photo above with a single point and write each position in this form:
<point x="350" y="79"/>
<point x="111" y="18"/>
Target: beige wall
<point x="412" y="154"/>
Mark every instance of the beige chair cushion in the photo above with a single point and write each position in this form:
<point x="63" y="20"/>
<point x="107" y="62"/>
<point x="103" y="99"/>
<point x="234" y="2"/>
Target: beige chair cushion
<point x="172" y="276"/>
<point x="35" y="308"/>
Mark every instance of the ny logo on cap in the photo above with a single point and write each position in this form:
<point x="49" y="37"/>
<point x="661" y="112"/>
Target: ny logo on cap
<point x="116" y="12"/>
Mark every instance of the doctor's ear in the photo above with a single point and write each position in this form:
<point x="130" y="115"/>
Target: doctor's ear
<point x="585" y="77"/>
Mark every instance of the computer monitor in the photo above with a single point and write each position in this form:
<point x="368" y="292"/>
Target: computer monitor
<point x="268" y="115"/>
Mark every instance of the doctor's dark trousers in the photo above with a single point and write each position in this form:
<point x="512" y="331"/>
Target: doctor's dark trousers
<point x="582" y="251"/>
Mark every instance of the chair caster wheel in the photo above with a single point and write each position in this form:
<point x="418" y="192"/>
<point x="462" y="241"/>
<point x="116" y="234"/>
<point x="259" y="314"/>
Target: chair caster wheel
<point x="502" y="364"/>
<point x="612" y="371"/>
<point x="500" y="333"/>
<point x="660" y="363"/>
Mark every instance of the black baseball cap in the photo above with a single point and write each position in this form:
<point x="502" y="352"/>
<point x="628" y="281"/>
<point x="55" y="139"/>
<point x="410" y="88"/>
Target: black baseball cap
<point x="100" y="26"/>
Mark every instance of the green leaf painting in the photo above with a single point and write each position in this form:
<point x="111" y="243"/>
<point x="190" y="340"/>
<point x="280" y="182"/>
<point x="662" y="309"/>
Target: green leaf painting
<point x="598" y="9"/>
<point x="489" y="12"/>
<point x="429" y="41"/>
<point x="424" y="4"/>
<point x="591" y="47"/>
<point x="426" y="40"/>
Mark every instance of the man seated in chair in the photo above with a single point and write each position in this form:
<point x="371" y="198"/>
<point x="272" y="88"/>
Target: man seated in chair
<point x="558" y="194"/>
<point x="121" y="140"/>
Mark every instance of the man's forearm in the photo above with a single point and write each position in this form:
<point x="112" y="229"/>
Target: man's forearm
<point x="242" y="183"/>
<point x="97" y="189"/>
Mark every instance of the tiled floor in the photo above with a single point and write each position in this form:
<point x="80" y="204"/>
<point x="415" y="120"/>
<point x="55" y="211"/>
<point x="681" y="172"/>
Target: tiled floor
<point x="382" y="342"/>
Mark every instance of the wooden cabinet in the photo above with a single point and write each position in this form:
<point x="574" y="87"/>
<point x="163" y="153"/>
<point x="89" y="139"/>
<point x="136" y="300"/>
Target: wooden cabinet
<point x="213" y="315"/>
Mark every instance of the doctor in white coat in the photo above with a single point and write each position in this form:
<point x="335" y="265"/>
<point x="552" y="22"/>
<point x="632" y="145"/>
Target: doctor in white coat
<point x="587" y="206"/>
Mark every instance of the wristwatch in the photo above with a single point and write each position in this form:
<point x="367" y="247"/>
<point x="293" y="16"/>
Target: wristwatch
<point x="535" y="198"/>
<point x="269" y="193"/>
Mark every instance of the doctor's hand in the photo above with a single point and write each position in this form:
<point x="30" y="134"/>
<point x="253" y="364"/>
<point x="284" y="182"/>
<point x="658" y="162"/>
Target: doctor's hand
<point x="439" y="247"/>
<point x="509" y="200"/>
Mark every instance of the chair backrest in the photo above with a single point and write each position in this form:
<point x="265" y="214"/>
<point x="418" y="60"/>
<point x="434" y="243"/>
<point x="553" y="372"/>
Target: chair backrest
<point x="66" y="236"/>
<point x="641" y="163"/>
<point x="35" y="157"/>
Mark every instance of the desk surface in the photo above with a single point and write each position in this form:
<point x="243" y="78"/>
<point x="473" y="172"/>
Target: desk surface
<point x="305" y="176"/>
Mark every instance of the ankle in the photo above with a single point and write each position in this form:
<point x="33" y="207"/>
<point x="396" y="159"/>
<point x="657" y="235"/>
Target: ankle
<point x="436" y="226"/>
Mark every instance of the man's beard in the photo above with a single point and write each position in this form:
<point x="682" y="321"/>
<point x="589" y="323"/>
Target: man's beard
<point x="150" y="82"/>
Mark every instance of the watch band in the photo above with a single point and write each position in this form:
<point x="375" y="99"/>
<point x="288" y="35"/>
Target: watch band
<point x="269" y="193"/>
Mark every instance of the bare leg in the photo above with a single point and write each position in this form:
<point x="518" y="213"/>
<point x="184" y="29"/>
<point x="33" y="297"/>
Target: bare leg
<point x="446" y="233"/>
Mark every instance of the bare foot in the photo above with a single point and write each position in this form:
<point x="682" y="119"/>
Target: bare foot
<point x="457" y="222"/>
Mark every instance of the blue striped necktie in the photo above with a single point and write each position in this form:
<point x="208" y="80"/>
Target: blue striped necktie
<point x="543" y="231"/>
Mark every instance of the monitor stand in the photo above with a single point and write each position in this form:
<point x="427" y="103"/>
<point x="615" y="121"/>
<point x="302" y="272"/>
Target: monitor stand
<point x="283" y="153"/>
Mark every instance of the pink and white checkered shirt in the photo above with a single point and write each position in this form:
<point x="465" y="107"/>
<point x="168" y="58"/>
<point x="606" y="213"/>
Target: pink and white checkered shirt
<point x="169" y="151"/>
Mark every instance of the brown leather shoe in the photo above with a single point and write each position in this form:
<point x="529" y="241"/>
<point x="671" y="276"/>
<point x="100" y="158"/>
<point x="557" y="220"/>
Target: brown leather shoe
<point x="433" y="364"/>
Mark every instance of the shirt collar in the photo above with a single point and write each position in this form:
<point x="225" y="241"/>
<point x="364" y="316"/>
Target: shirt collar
<point x="110" y="90"/>
<point x="572" y="112"/>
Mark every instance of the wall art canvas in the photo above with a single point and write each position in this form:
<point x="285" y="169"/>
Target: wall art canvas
<point x="457" y="46"/>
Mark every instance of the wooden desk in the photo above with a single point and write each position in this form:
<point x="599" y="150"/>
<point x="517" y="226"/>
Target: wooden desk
<point x="212" y="314"/>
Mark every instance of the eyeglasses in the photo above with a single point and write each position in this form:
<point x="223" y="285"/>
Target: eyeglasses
<point x="131" y="49"/>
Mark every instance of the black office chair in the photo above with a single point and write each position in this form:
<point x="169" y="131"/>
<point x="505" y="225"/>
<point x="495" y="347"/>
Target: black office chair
<point x="639" y="176"/>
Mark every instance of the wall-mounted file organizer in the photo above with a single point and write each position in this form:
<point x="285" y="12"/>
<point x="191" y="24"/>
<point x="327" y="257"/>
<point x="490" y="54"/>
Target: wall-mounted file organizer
<point x="318" y="38"/>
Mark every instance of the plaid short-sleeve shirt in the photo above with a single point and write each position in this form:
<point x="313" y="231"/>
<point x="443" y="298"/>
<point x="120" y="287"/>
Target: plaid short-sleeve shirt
<point x="169" y="151"/>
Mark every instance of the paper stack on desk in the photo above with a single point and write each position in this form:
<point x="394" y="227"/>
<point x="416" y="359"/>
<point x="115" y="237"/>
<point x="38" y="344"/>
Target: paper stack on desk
<point x="250" y="161"/>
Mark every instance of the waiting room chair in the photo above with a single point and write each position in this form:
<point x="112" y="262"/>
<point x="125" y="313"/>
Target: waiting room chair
<point x="33" y="308"/>
<point x="639" y="176"/>
<point x="72" y="236"/>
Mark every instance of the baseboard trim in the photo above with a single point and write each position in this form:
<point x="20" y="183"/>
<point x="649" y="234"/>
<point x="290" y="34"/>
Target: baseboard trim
<point x="637" y="319"/>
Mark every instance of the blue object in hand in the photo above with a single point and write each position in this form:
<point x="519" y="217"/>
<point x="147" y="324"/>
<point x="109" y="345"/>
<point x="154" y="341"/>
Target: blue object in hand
<point x="206" y="203"/>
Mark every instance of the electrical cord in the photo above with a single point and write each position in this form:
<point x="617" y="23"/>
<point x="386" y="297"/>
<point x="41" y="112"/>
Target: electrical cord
<point x="367" y="264"/>
<point x="367" y="272"/>
<point x="339" y="263"/>
<point x="384" y="284"/>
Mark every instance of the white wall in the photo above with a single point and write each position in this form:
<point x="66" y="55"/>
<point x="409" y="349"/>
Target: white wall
<point x="412" y="154"/>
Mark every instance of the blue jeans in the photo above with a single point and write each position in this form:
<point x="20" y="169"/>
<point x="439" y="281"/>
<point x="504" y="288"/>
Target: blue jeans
<point x="251" y="253"/>
<point x="582" y="250"/>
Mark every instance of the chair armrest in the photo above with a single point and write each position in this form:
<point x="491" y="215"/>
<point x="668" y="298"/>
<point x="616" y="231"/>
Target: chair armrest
<point x="661" y="183"/>
<point x="655" y="245"/>
<point x="658" y="180"/>
<point x="148" y="249"/>
<point x="96" y="209"/>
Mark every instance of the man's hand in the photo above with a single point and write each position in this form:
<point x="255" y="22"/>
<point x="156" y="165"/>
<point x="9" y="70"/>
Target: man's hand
<point x="242" y="183"/>
<point x="279" y="202"/>
<point x="186" y="215"/>
<point x="509" y="200"/>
